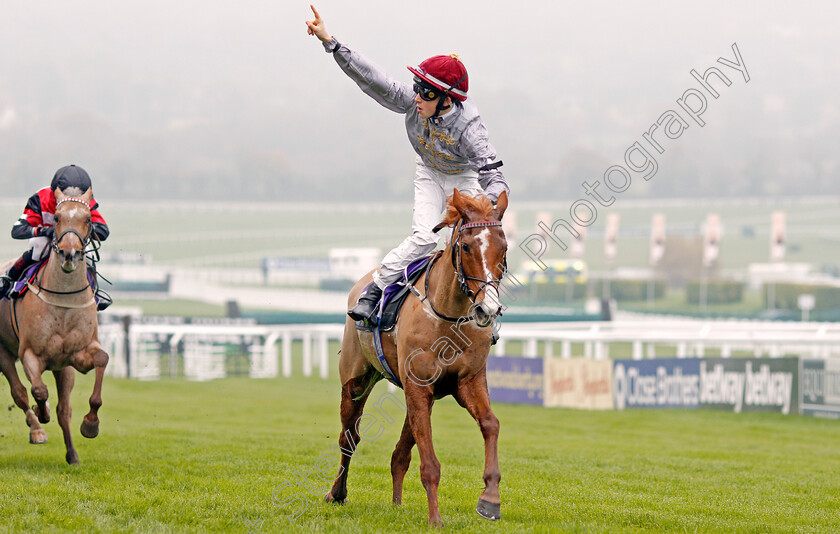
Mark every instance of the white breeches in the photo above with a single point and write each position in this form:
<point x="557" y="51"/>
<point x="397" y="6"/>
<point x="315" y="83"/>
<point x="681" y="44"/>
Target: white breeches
<point x="431" y="188"/>
<point x="39" y="246"/>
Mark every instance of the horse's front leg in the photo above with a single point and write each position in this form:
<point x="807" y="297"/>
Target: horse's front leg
<point x="400" y="460"/>
<point x="419" y="401"/>
<point x="7" y="363"/>
<point x="64" y="381"/>
<point x="474" y="397"/>
<point x="34" y="367"/>
<point x="90" y="358"/>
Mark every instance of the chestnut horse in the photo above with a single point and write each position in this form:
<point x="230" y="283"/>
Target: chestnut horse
<point x="53" y="326"/>
<point x="439" y="347"/>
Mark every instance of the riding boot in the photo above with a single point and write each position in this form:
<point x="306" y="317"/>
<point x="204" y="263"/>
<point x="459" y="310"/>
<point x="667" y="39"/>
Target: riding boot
<point x="367" y="303"/>
<point x="14" y="273"/>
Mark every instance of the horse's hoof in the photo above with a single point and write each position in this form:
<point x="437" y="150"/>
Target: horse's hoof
<point x="329" y="498"/>
<point x="89" y="430"/>
<point x="36" y="437"/>
<point x="72" y="457"/>
<point x="43" y="415"/>
<point x="488" y="510"/>
<point x="437" y="522"/>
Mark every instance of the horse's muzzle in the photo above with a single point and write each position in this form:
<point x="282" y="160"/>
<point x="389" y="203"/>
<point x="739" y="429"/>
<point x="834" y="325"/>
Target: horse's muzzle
<point x="69" y="259"/>
<point x="489" y="308"/>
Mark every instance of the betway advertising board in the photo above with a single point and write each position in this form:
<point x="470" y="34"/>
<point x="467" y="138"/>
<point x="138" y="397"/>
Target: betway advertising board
<point x="750" y="384"/>
<point x="820" y="381"/>
<point x="733" y="384"/>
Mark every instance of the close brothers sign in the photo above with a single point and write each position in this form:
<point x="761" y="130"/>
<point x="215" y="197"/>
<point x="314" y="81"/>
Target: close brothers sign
<point x="782" y="385"/>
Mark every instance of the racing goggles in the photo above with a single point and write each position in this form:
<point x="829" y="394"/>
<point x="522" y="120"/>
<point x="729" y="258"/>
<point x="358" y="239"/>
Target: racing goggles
<point x="426" y="91"/>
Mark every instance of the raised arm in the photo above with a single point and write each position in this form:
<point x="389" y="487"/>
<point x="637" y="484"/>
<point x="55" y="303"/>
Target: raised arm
<point x="317" y="27"/>
<point x="371" y="79"/>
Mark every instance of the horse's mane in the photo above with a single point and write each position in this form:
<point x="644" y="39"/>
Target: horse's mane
<point x="479" y="207"/>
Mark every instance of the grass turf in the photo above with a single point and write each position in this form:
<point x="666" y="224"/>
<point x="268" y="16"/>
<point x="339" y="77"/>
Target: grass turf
<point x="175" y="456"/>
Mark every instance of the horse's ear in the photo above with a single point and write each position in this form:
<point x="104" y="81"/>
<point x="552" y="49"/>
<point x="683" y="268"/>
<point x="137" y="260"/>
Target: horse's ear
<point x="501" y="205"/>
<point x="460" y="203"/>
<point x="59" y="194"/>
<point x="87" y="195"/>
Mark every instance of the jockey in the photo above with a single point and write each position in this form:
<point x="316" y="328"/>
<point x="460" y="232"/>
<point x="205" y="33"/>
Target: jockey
<point x="446" y="132"/>
<point x="36" y="223"/>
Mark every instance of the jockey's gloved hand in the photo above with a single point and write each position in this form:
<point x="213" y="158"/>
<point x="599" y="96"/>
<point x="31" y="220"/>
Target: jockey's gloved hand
<point x="46" y="231"/>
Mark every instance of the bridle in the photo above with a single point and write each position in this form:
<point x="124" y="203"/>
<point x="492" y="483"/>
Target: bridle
<point x="57" y="238"/>
<point x="461" y="275"/>
<point x="458" y="264"/>
<point x="38" y="287"/>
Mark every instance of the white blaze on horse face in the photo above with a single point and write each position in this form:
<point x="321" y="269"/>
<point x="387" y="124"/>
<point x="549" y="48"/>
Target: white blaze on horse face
<point x="71" y="253"/>
<point x="491" y="303"/>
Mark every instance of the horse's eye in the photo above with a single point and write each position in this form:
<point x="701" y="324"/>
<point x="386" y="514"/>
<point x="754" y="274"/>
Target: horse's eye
<point x="465" y="248"/>
<point x="57" y="218"/>
<point x="88" y="220"/>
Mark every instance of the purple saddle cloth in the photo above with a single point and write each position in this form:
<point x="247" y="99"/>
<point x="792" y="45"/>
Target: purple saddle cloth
<point x="394" y="296"/>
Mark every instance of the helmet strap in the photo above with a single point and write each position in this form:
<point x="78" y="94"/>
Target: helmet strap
<point x="441" y="105"/>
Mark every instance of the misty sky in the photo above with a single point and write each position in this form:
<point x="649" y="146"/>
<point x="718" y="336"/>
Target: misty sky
<point x="214" y="100"/>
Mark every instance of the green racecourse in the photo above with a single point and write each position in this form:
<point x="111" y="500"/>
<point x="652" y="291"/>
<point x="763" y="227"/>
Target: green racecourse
<point x="176" y="456"/>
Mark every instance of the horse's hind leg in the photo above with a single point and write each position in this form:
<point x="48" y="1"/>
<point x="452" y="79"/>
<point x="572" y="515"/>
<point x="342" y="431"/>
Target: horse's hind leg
<point x="354" y="394"/>
<point x="401" y="459"/>
<point x="474" y="397"/>
<point x="98" y="359"/>
<point x="36" y="431"/>
<point x="64" y="380"/>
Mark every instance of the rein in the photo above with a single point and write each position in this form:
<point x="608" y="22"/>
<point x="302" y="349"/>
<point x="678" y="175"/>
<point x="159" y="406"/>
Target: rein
<point x="38" y="289"/>
<point x="461" y="275"/>
<point x="459" y="264"/>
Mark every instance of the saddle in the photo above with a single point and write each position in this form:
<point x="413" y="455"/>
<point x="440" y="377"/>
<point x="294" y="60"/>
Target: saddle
<point x="21" y="286"/>
<point x="393" y="297"/>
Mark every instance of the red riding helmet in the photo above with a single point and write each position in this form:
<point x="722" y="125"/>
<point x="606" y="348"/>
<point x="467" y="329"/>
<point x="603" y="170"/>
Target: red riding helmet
<point x="447" y="73"/>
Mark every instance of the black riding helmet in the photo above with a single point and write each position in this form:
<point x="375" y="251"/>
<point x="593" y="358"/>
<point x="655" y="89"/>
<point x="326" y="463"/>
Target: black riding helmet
<point x="70" y="176"/>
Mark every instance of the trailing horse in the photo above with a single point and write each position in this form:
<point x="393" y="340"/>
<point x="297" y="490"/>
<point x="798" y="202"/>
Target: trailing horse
<point x="439" y="347"/>
<point x="53" y="326"/>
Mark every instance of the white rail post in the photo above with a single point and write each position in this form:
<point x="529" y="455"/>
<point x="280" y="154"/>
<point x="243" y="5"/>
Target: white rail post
<point x="287" y="354"/>
<point x="307" y="353"/>
<point x="531" y="347"/>
<point x="323" y="355"/>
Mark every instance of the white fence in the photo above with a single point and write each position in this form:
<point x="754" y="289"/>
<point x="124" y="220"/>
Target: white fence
<point x="140" y="353"/>
<point x="681" y="338"/>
